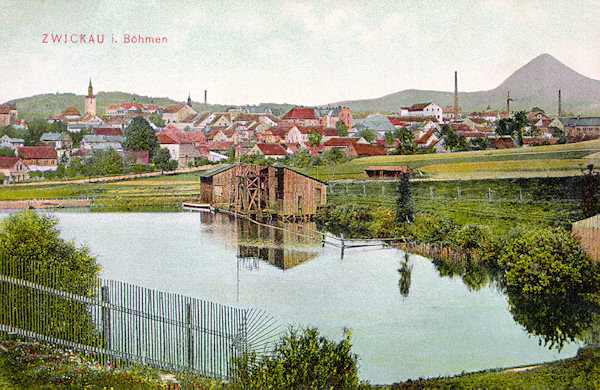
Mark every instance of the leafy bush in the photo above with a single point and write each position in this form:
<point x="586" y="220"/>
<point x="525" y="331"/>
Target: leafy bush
<point x="548" y="261"/>
<point x="304" y="360"/>
<point x="31" y="249"/>
<point x="432" y="229"/>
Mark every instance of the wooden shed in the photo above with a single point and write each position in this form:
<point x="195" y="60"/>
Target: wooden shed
<point x="588" y="233"/>
<point x="388" y="171"/>
<point x="274" y="191"/>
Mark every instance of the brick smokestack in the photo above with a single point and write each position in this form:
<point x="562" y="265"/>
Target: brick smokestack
<point x="508" y="99"/>
<point x="455" y="95"/>
<point x="559" y="104"/>
<point x="205" y="101"/>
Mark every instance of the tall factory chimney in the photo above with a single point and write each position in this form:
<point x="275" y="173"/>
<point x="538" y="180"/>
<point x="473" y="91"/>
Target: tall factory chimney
<point x="455" y="95"/>
<point x="559" y="104"/>
<point x="205" y="101"/>
<point x="508" y="99"/>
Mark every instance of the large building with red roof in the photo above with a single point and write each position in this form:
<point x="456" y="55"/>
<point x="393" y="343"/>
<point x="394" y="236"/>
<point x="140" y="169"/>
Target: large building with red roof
<point x="39" y="158"/>
<point x="301" y="116"/>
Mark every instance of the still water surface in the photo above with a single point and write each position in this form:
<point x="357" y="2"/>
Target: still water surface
<point x="440" y="328"/>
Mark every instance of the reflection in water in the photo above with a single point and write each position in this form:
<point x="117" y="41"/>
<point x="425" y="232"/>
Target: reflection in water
<point x="405" y="272"/>
<point x="474" y="276"/>
<point x="554" y="319"/>
<point x="284" y="244"/>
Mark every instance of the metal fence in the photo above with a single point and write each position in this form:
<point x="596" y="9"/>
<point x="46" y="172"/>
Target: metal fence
<point x="132" y="324"/>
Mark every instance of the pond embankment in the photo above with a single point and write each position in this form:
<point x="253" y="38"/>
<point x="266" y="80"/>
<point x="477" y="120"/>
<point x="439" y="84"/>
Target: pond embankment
<point x="44" y="203"/>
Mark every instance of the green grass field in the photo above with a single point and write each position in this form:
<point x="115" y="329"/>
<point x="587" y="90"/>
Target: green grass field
<point x="499" y="204"/>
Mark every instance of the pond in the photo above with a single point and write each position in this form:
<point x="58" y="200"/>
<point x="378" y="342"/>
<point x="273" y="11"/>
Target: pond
<point x="438" y="328"/>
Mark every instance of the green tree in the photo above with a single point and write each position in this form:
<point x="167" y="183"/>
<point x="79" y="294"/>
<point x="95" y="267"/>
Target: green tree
<point x="162" y="160"/>
<point x="105" y="162"/>
<point x="548" y="261"/>
<point x="31" y="249"/>
<point x="589" y="182"/>
<point x="139" y="135"/>
<point x="157" y="120"/>
<point x="368" y="135"/>
<point x="315" y="138"/>
<point x="404" y="210"/>
<point x="341" y="128"/>
<point x="7" y="152"/>
<point x="302" y="361"/>
<point x="452" y="140"/>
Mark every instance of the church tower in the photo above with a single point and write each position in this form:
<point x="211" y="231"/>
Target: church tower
<point x="90" y="101"/>
<point x="189" y="102"/>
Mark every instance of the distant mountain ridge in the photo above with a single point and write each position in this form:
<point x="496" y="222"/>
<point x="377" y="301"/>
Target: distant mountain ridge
<point x="535" y="84"/>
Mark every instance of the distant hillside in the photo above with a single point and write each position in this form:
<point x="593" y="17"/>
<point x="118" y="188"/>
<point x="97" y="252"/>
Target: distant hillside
<point x="535" y="84"/>
<point x="43" y="106"/>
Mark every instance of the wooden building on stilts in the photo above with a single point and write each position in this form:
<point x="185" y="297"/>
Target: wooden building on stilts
<point x="263" y="192"/>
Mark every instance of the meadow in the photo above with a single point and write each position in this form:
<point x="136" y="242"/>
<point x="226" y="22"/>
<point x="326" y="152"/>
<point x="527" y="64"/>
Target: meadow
<point x="539" y="161"/>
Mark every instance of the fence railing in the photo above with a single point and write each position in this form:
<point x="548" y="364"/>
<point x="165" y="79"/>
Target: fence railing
<point x="134" y="324"/>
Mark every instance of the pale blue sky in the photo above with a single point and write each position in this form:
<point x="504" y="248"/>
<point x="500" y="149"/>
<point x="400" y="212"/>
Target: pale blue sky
<point x="302" y="52"/>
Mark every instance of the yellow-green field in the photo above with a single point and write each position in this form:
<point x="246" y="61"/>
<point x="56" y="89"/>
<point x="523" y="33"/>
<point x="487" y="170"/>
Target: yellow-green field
<point x="541" y="161"/>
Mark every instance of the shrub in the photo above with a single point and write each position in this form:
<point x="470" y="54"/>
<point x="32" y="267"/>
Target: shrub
<point x="548" y="261"/>
<point x="304" y="360"/>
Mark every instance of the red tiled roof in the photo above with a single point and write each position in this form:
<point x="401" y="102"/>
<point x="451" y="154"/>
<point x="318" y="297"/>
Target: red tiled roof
<point x="119" y="121"/>
<point x="300" y="113"/>
<point x="368" y="150"/>
<point x="173" y="109"/>
<point x="108" y="131"/>
<point x="226" y="145"/>
<point x="503" y="143"/>
<point x="340" y="141"/>
<point x="164" y="139"/>
<point x="129" y="106"/>
<point x="423" y="140"/>
<point x="479" y="121"/>
<point x="272" y="149"/>
<point x="71" y="111"/>
<point x="111" y="107"/>
<point x="310" y="129"/>
<point x="470" y="134"/>
<point x="37" y="152"/>
<point x="182" y="137"/>
<point x="5" y="109"/>
<point x="459" y="127"/>
<point x="404" y="120"/>
<point x="418" y="107"/>
<point x="328" y="132"/>
<point x="8" y="162"/>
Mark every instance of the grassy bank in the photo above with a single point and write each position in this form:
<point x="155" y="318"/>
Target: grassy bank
<point x="583" y="371"/>
<point x="163" y="193"/>
<point x="27" y="364"/>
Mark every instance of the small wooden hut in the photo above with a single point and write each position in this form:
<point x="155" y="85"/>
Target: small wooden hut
<point x="388" y="171"/>
<point x="274" y="191"/>
<point x="588" y="232"/>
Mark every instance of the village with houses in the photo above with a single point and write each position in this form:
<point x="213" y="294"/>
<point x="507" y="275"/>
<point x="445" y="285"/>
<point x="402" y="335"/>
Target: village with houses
<point x="192" y="137"/>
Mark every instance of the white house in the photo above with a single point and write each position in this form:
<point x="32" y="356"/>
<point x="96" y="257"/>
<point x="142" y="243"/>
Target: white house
<point x="424" y="109"/>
